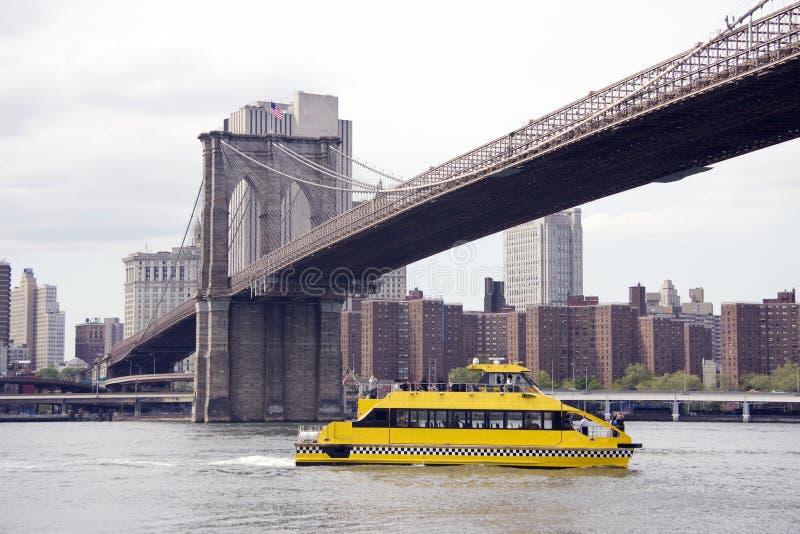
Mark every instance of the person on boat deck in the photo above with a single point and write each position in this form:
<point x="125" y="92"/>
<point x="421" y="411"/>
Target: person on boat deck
<point x="620" y="421"/>
<point x="584" y="424"/>
<point x="373" y="387"/>
<point x="509" y="383"/>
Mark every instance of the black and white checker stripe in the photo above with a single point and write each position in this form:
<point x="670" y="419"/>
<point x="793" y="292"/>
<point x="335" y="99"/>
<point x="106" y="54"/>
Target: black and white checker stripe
<point x="397" y="450"/>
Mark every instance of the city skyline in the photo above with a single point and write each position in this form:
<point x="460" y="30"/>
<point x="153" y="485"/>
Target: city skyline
<point x="713" y="230"/>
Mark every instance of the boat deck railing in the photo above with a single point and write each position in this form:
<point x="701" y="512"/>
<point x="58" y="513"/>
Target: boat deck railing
<point x="443" y="387"/>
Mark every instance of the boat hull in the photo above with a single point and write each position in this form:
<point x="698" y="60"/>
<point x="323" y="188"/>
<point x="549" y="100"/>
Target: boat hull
<point x="541" y="457"/>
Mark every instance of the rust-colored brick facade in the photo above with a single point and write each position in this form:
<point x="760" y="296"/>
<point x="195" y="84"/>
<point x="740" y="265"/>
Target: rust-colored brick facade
<point x="601" y="341"/>
<point x="384" y="339"/>
<point x="661" y="344"/>
<point x="435" y="339"/>
<point x="759" y="338"/>
<point x="351" y="342"/>
<point x="485" y="335"/>
<point x="516" y="336"/>
<point x="697" y="347"/>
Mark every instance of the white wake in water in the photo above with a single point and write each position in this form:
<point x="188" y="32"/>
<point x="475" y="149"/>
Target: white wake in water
<point x="259" y="461"/>
<point x="128" y="461"/>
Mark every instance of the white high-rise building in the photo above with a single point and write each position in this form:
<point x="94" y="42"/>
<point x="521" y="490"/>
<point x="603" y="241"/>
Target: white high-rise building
<point x="307" y="115"/>
<point x="392" y="285"/>
<point x="169" y="277"/>
<point x="543" y="260"/>
<point x="37" y="324"/>
<point x="669" y="295"/>
<point x="50" y="325"/>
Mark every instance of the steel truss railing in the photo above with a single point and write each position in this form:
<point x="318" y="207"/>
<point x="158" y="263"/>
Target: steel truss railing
<point x="733" y="53"/>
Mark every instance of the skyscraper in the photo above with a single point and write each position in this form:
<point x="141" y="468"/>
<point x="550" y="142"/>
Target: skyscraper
<point x="50" y="327"/>
<point x="156" y="282"/>
<point x="5" y="313"/>
<point x="669" y="299"/>
<point x="37" y="324"/>
<point x="543" y="260"/>
<point x="637" y="298"/>
<point x="494" y="298"/>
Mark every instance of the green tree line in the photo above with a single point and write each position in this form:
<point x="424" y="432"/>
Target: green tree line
<point x="67" y="373"/>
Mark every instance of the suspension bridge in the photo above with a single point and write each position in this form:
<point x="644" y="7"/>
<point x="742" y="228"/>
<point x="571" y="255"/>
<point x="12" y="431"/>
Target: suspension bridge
<point x="265" y="331"/>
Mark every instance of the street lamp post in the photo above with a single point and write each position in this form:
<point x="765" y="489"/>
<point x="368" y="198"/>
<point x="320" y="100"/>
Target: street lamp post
<point x="586" y="371"/>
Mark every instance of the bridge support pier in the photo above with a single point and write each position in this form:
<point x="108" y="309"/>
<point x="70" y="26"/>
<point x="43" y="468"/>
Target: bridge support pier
<point x="676" y="412"/>
<point x="137" y="408"/>
<point x="273" y="361"/>
<point x="607" y="412"/>
<point x="745" y="412"/>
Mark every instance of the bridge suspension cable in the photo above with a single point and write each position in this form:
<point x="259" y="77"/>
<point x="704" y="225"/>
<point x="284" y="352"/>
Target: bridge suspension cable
<point x="173" y="268"/>
<point x="295" y="178"/>
<point x="324" y="170"/>
<point x="460" y="176"/>
<point x="364" y="165"/>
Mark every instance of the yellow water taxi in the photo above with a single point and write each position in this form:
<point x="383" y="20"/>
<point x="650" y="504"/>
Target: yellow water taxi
<point x="503" y="419"/>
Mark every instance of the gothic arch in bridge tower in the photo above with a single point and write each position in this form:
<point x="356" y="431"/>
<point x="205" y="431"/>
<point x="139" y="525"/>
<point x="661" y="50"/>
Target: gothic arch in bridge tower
<point x="249" y="348"/>
<point x="267" y="209"/>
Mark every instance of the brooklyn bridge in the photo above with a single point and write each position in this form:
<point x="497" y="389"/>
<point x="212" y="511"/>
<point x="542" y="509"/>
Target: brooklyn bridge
<point x="265" y="334"/>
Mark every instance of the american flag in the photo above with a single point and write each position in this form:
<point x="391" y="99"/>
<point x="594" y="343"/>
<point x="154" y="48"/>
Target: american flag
<point x="275" y="110"/>
<point x="346" y="377"/>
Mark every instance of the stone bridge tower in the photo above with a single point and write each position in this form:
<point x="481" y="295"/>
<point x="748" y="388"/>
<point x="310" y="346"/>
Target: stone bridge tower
<point x="265" y="358"/>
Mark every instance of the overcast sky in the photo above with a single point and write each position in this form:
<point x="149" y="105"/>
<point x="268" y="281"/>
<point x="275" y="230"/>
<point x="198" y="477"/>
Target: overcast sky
<point x="101" y="104"/>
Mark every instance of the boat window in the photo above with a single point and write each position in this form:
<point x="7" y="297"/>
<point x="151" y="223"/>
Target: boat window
<point x="513" y="420"/>
<point x="548" y="420"/>
<point x="495" y="420"/>
<point x="437" y="418"/>
<point x="377" y="418"/>
<point x="533" y="421"/>
<point x="476" y="419"/>
<point x="566" y="420"/>
<point x="400" y="418"/>
<point x="458" y="419"/>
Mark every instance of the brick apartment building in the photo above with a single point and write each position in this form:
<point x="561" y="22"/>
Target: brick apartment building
<point x="759" y="338"/>
<point x="351" y="339"/>
<point x="421" y="339"/>
<point x="435" y="339"/>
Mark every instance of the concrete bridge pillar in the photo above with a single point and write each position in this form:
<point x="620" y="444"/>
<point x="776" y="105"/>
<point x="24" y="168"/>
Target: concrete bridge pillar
<point x="607" y="412"/>
<point x="676" y="412"/>
<point x="745" y="412"/>
<point x="284" y="362"/>
<point x="273" y="361"/>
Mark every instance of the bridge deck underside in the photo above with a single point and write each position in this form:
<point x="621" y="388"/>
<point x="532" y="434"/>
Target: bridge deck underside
<point x="721" y="123"/>
<point x="165" y="348"/>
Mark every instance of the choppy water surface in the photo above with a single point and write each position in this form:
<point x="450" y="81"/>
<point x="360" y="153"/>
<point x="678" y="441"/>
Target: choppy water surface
<point x="178" y="477"/>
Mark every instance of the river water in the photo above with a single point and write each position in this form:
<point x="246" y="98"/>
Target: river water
<point x="178" y="477"/>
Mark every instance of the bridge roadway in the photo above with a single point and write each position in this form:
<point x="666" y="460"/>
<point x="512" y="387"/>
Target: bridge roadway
<point x="135" y="380"/>
<point x="49" y="383"/>
<point x="277" y="320"/>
